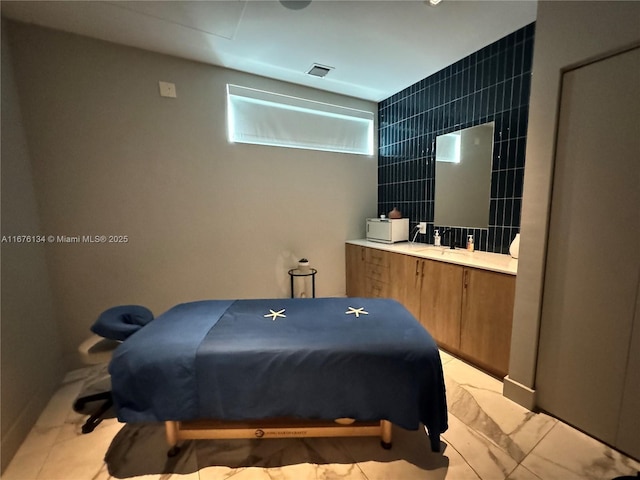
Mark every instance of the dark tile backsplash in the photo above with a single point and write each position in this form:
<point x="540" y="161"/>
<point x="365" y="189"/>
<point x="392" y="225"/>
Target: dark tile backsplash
<point x="492" y="84"/>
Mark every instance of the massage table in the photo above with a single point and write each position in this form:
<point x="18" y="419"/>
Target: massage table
<point x="281" y="368"/>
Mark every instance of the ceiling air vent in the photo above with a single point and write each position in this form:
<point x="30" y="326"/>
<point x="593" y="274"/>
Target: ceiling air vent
<point x="319" y="70"/>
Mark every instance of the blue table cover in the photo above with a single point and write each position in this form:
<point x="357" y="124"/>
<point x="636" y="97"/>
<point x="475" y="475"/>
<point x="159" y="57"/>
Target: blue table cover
<point x="304" y="358"/>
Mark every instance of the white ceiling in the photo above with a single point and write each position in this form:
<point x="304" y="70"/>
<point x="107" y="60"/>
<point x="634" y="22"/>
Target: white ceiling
<point x="376" y="48"/>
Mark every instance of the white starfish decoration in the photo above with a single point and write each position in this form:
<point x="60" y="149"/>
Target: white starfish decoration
<point x="279" y="313"/>
<point x="357" y="311"/>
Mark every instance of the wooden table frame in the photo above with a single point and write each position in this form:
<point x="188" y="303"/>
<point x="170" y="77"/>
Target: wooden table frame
<point x="276" y="428"/>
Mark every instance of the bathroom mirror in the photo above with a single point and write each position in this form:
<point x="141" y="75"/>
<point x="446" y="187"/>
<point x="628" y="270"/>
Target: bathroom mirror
<point x="463" y="177"/>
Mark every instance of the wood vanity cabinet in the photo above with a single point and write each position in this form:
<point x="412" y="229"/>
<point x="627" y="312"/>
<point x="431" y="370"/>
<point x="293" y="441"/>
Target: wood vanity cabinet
<point x="377" y="273"/>
<point x="355" y="257"/>
<point x="486" y="319"/>
<point x="468" y="311"/>
<point x="412" y="280"/>
<point x="441" y="302"/>
<point x="374" y="273"/>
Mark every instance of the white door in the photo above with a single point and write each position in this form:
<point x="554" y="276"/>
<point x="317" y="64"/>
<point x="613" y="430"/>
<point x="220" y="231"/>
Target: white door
<point x="593" y="260"/>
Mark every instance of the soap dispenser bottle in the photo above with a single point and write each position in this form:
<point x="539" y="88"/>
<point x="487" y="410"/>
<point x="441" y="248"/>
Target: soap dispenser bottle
<point x="470" y="243"/>
<point x="436" y="238"/>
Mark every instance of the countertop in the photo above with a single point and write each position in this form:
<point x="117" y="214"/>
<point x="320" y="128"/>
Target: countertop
<point x="495" y="262"/>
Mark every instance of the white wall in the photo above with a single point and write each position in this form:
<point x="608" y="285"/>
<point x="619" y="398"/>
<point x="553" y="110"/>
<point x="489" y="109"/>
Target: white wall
<point x="30" y="345"/>
<point x="205" y="218"/>
<point x="567" y="34"/>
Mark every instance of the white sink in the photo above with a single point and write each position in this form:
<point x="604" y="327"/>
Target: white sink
<point x="457" y="251"/>
<point x="433" y="248"/>
<point x="446" y="251"/>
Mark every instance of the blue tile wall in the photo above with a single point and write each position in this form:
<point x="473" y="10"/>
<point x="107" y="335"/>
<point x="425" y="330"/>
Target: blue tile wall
<point x="492" y="84"/>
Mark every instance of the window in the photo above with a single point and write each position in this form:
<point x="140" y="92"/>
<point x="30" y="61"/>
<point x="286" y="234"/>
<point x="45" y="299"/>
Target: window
<point x="265" y="118"/>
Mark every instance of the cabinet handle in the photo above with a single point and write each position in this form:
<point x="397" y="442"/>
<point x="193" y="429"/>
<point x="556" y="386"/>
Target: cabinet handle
<point x="422" y="271"/>
<point x="417" y="269"/>
<point x="466" y="278"/>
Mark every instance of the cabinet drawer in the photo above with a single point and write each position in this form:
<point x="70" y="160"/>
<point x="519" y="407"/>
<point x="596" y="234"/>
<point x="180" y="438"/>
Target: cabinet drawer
<point x="377" y="257"/>
<point x="376" y="288"/>
<point x="378" y="273"/>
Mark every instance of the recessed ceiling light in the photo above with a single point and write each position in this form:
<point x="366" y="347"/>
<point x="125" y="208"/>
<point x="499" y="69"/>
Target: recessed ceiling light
<point x="318" y="70"/>
<point x="434" y="2"/>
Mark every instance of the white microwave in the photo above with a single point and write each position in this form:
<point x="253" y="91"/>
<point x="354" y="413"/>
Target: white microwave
<point x="387" y="230"/>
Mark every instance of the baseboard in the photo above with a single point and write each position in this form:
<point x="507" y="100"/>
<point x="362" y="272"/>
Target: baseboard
<point x="519" y="393"/>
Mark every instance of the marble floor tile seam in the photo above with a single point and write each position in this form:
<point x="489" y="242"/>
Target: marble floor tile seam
<point x="561" y="424"/>
<point x="520" y="463"/>
<point x="342" y="447"/>
<point x="506" y="476"/>
<point x="532" y="453"/>
<point x="350" y="456"/>
<point x="450" y="445"/>
<point x="516" y="474"/>
<point x="500" y="447"/>
<point x="484" y="436"/>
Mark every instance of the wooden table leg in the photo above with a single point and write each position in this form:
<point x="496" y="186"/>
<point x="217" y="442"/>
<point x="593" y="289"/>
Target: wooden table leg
<point x="385" y="434"/>
<point x="171" y="430"/>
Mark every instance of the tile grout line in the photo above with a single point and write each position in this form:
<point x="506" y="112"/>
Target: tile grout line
<point x="525" y="468"/>
<point x="500" y="447"/>
<point x="532" y="449"/>
<point x="46" y="457"/>
<point x="490" y="441"/>
<point x="465" y="460"/>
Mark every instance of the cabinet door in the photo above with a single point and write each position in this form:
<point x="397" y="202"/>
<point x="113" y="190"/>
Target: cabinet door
<point x="397" y="287"/>
<point x="355" y="270"/>
<point x="412" y="281"/>
<point x="441" y="300"/>
<point x="487" y="315"/>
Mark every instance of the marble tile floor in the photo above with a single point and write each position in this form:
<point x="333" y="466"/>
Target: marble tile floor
<point x="489" y="438"/>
